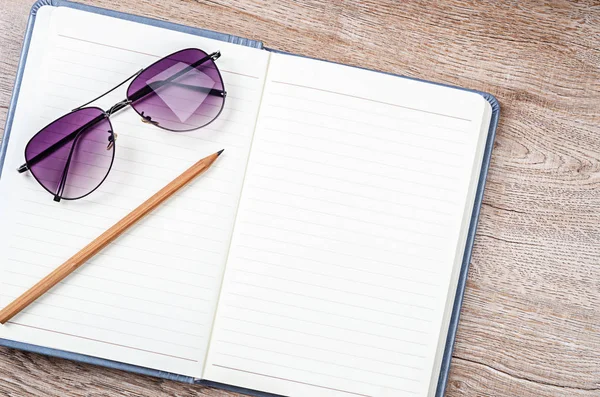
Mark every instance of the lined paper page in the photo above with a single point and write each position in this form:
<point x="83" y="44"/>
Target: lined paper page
<point x="351" y="224"/>
<point x="149" y="298"/>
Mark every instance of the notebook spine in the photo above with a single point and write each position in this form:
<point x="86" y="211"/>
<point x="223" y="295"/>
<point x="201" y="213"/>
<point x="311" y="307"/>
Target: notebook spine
<point x="245" y="42"/>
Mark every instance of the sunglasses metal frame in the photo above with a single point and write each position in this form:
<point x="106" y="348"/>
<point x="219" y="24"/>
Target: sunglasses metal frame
<point x="146" y="90"/>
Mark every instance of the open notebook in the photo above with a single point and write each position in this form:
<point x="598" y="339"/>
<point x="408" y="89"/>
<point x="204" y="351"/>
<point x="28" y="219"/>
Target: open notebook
<point x="320" y="256"/>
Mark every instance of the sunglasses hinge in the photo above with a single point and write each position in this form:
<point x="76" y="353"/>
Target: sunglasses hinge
<point x="215" y="55"/>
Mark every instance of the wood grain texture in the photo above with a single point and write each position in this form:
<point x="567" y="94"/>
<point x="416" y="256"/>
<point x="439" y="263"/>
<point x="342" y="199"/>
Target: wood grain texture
<point x="530" y="324"/>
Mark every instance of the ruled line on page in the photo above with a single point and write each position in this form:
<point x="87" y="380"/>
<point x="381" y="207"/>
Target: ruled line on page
<point x="152" y="215"/>
<point x="329" y="276"/>
<point x="334" y="190"/>
<point x="422" y="160"/>
<point x="101" y="341"/>
<point x="306" y="296"/>
<point x="290" y="380"/>
<point x="285" y="204"/>
<point x="122" y="73"/>
<point x="75" y="103"/>
<point x="120" y="270"/>
<point x="314" y="299"/>
<point x="119" y="244"/>
<point x="379" y="127"/>
<point x="337" y="154"/>
<point x="362" y="110"/>
<point x="137" y="260"/>
<point x="304" y="370"/>
<point x="370" y="100"/>
<point x="128" y="50"/>
<point x="357" y="173"/>
<point x="147" y="139"/>
<point x="137" y="310"/>
<point x="336" y="364"/>
<point x="374" y="211"/>
<point x="141" y="227"/>
<point x="107" y="45"/>
<point x="120" y="332"/>
<point x="426" y="271"/>
<point x="95" y="214"/>
<point x="326" y="250"/>
<point x="394" y="167"/>
<point x="153" y="55"/>
<point x="380" y="199"/>
<point x="156" y="179"/>
<point x="74" y="100"/>
<point x="329" y="288"/>
<point x="115" y="318"/>
<point x="237" y="331"/>
<point x="309" y="309"/>
<point x="148" y="190"/>
<point x="324" y="345"/>
<point x="71" y="285"/>
<point x="336" y="339"/>
<point x="370" y="125"/>
<point x="179" y="283"/>
<point x="124" y="234"/>
<point x="357" y="269"/>
<point x="104" y="204"/>
<point x="78" y="100"/>
<point x="114" y="95"/>
<point x="343" y="241"/>
<point x="110" y="280"/>
<point x="376" y="149"/>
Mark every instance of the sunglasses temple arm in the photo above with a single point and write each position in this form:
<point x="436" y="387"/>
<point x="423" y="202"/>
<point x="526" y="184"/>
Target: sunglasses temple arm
<point x="57" y="145"/>
<point x="209" y="91"/>
<point x="111" y="90"/>
<point x="63" y="180"/>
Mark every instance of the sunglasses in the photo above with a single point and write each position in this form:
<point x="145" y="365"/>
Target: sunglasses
<point x="73" y="155"/>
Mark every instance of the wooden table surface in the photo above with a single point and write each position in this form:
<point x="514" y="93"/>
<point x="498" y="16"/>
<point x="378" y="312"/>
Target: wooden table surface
<point x="530" y="324"/>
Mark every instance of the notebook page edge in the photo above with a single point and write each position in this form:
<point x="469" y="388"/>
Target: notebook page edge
<point x="460" y="251"/>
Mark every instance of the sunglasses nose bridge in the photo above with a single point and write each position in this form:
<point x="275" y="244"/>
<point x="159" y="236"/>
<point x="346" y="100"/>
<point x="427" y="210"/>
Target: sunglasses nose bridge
<point x="117" y="106"/>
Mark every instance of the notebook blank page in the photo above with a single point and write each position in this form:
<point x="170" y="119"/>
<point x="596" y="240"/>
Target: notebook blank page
<point x="352" y="221"/>
<point x="148" y="298"/>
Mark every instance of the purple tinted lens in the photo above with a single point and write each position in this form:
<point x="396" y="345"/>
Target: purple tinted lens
<point x="178" y="92"/>
<point x="83" y="136"/>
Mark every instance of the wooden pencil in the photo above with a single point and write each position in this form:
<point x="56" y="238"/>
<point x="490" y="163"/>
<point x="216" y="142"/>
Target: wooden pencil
<point x="105" y="238"/>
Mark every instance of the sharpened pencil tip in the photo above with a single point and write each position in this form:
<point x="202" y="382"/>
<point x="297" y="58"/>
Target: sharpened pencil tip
<point x="220" y="151"/>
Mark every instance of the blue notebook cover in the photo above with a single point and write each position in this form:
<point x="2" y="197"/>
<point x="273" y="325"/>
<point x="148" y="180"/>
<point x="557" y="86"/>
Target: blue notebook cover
<point x="443" y="377"/>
